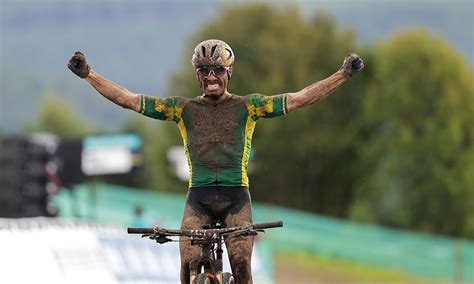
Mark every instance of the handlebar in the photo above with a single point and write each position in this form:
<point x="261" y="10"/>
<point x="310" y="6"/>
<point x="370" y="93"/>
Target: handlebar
<point x="268" y="225"/>
<point x="140" y="230"/>
<point x="162" y="231"/>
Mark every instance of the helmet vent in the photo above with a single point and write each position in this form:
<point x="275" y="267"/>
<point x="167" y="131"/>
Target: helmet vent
<point x="213" y="50"/>
<point x="230" y="53"/>
<point x="203" y="49"/>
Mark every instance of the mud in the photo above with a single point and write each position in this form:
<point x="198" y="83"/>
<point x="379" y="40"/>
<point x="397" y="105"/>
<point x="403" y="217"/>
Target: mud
<point x="231" y="206"/>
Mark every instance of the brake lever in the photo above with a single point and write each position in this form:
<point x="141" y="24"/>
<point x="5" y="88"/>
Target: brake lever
<point x="158" y="238"/>
<point x="161" y="240"/>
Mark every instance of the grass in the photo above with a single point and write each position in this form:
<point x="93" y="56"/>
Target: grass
<point x="308" y="268"/>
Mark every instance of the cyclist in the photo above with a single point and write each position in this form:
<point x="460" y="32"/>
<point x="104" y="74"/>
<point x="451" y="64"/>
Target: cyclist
<point x="216" y="128"/>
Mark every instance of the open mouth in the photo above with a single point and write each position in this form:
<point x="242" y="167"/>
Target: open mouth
<point x="212" y="85"/>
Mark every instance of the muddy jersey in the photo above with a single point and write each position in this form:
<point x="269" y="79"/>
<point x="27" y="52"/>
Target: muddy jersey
<point x="217" y="138"/>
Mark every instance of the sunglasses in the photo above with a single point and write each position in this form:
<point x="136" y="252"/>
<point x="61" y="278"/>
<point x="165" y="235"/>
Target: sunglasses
<point x="205" y="72"/>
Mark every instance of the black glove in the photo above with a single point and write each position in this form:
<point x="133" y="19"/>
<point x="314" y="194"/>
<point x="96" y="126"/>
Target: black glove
<point x="352" y="65"/>
<point x="78" y="65"/>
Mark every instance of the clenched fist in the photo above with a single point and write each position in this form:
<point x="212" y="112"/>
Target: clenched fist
<point x="78" y="65"/>
<point x="352" y="65"/>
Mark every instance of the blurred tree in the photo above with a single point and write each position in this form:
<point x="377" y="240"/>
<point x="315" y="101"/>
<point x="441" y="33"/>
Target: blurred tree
<point x="418" y="153"/>
<point x="303" y="160"/>
<point x="393" y="146"/>
<point x="58" y="117"/>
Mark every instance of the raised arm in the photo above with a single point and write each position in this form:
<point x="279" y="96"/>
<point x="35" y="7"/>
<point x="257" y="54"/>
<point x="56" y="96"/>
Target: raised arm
<point x="110" y="90"/>
<point x="321" y="89"/>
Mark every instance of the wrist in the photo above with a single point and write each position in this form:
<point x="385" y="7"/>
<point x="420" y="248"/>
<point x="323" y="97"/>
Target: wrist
<point x="90" y="73"/>
<point x="344" y="75"/>
<point x="87" y="72"/>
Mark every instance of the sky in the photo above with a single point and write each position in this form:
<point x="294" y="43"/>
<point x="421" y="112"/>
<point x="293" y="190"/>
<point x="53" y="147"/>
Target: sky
<point x="139" y="44"/>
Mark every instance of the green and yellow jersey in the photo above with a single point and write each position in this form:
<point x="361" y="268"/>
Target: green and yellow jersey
<point x="217" y="138"/>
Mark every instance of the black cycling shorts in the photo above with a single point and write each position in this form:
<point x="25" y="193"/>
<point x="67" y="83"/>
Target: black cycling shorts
<point x="217" y="204"/>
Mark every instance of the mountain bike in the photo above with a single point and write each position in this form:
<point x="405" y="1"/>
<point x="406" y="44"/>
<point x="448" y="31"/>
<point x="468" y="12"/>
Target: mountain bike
<point x="207" y="269"/>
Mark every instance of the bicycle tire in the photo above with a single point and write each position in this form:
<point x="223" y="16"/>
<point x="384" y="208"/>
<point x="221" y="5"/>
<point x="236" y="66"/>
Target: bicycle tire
<point x="227" y="278"/>
<point x="203" y="278"/>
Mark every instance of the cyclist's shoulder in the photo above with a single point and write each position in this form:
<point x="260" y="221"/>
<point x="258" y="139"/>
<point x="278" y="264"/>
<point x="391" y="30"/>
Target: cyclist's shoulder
<point x="252" y="95"/>
<point x="257" y="99"/>
<point x="249" y="98"/>
<point x="177" y="101"/>
<point x="167" y="100"/>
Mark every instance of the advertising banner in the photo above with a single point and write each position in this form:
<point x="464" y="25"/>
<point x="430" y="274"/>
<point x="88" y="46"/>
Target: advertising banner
<point x="48" y="250"/>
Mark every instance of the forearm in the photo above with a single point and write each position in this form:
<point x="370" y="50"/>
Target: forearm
<point x="315" y="92"/>
<point x="114" y="92"/>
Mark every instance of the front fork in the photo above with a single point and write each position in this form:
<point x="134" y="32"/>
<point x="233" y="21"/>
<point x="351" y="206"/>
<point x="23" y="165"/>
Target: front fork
<point x="218" y="262"/>
<point x="212" y="263"/>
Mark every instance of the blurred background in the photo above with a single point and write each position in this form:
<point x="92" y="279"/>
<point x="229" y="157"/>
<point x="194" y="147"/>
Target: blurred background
<point x="374" y="184"/>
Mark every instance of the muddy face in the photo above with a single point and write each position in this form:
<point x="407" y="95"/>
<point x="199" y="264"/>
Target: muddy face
<point x="214" y="86"/>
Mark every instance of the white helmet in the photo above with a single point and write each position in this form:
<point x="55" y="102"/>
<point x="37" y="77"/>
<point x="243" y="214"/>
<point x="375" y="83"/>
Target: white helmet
<point x="212" y="52"/>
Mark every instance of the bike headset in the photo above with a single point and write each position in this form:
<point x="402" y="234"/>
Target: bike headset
<point x="212" y="55"/>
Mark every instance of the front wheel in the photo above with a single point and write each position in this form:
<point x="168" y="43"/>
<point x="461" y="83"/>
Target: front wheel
<point x="204" y="278"/>
<point x="227" y="278"/>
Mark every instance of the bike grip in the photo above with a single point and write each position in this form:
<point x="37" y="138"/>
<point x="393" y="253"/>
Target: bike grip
<point x="267" y="225"/>
<point x="140" y="230"/>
